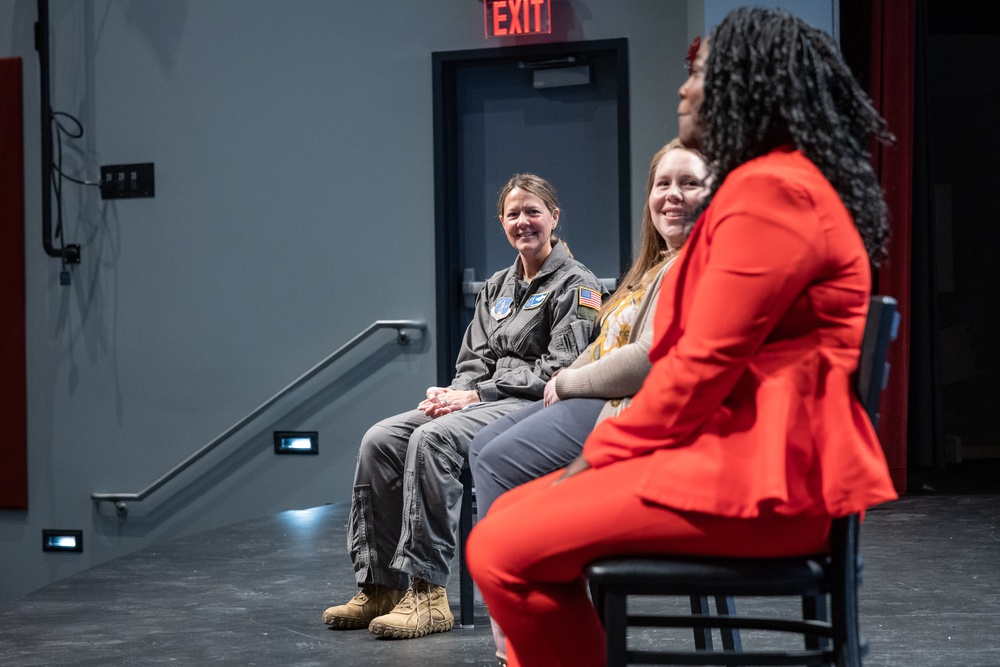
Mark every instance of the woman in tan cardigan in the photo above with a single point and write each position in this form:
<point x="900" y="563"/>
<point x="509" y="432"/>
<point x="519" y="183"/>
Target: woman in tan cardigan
<point x="549" y="434"/>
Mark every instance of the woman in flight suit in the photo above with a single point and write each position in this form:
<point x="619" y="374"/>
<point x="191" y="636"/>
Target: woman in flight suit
<point x="747" y="438"/>
<point x="530" y="319"/>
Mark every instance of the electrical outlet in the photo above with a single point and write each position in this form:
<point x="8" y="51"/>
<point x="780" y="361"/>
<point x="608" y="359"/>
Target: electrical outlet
<point x="121" y="181"/>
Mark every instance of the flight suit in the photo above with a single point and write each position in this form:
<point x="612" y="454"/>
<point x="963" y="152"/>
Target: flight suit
<point x="407" y="494"/>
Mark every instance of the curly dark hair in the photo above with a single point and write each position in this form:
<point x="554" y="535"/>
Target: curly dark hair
<point x="772" y="79"/>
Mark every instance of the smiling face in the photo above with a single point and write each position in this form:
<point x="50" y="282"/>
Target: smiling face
<point x="528" y="224"/>
<point x="692" y="92"/>
<point x="678" y="187"/>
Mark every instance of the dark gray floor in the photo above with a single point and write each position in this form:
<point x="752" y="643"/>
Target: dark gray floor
<point x="252" y="594"/>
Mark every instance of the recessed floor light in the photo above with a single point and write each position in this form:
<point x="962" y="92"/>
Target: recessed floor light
<point x="296" y="442"/>
<point x="62" y="540"/>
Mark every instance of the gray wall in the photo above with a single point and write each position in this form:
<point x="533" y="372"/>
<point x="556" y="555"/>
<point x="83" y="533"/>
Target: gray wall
<point x="294" y="206"/>
<point x="823" y="14"/>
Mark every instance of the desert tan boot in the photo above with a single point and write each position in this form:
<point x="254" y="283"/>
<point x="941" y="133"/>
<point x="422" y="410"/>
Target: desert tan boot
<point x="423" y="610"/>
<point x="371" y="601"/>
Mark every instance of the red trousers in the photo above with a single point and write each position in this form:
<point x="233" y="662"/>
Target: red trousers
<point x="528" y="554"/>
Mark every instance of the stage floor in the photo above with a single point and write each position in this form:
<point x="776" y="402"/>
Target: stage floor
<point x="253" y="594"/>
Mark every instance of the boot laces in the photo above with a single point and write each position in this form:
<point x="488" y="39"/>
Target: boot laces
<point x="409" y="601"/>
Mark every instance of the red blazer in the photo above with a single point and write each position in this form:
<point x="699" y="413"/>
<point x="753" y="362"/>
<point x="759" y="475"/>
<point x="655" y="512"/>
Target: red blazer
<point x="757" y="331"/>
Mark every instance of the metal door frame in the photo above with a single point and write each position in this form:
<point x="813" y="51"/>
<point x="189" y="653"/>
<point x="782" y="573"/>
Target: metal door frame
<point x="446" y="218"/>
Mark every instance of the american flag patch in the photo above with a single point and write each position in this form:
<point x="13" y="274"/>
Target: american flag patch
<point x="590" y="298"/>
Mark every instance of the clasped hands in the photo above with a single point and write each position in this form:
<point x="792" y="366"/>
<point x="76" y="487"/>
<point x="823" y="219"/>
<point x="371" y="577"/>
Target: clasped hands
<point x="441" y="401"/>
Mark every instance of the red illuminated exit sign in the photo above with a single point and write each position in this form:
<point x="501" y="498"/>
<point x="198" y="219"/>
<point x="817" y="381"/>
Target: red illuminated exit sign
<point x="517" y="17"/>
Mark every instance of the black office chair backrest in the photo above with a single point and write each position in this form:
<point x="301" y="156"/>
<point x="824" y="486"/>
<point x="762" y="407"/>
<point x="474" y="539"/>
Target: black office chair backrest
<point x="881" y="328"/>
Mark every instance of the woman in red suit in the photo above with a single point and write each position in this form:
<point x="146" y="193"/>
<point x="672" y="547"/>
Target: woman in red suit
<point x="746" y="438"/>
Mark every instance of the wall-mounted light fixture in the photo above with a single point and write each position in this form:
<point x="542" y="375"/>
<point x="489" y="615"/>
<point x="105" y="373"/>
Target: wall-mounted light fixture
<point x="296" y="442"/>
<point x="62" y="540"/>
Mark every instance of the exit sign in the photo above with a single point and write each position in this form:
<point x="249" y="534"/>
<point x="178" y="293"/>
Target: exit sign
<point x="517" y="17"/>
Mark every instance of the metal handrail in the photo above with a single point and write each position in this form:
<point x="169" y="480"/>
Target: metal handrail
<point x="401" y="336"/>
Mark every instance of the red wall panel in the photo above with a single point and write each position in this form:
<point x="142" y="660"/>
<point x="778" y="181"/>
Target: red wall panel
<point x="13" y="378"/>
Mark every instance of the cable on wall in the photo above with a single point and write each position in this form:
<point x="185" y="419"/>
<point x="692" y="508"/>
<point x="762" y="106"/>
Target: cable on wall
<point x="52" y="167"/>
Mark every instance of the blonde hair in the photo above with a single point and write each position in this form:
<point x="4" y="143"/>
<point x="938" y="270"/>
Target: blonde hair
<point x="653" y="248"/>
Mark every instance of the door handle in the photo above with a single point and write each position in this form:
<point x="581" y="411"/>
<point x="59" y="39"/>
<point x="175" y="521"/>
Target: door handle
<point x="470" y="287"/>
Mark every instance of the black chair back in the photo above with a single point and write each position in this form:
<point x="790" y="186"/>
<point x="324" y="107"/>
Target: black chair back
<point x="881" y="328"/>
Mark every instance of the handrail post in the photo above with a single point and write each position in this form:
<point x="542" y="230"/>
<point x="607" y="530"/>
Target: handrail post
<point x="402" y="337"/>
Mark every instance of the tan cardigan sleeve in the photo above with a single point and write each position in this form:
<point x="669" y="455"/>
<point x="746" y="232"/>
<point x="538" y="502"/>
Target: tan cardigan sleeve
<point x="621" y="373"/>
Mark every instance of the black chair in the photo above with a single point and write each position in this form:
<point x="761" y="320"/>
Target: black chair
<point x="828" y="640"/>
<point x="465" y="589"/>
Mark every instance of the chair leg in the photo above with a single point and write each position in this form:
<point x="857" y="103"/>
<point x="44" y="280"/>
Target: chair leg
<point x="844" y="593"/>
<point x="702" y="635"/>
<point x="847" y="640"/>
<point x="725" y="605"/>
<point x="814" y="609"/>
<point x="844" y="616"/>
<point x="597" y="598"/>
<point x="466" y="618"/>
<point x="615" y="613"/>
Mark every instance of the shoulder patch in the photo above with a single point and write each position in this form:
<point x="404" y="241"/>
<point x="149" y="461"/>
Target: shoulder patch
<point x="535" y="300"/>
<point x="501" y="308"/>
<point x="589" y="298"/>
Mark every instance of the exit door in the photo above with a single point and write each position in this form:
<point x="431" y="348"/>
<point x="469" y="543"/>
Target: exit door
<point x="557" y="110"/>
